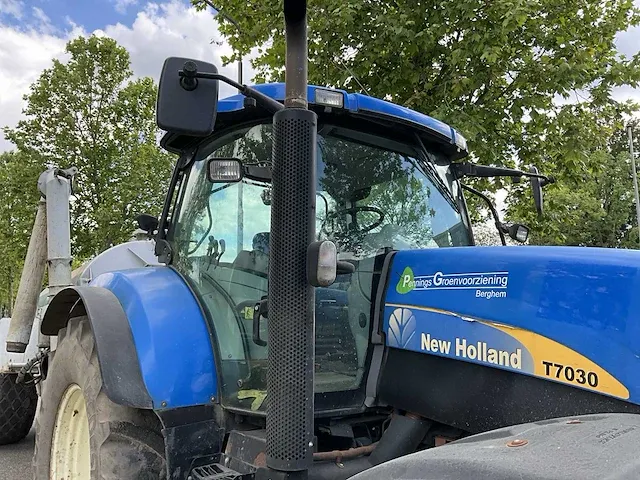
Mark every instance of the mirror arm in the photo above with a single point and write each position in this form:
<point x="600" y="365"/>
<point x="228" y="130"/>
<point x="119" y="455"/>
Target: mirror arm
<point x="544" y="180"/>
<point x="466" y="169"/>
<point x="494" y="212"/>
<point x="189" y="82"/>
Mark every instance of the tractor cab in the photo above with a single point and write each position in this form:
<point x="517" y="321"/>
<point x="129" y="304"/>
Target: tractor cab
<point x="382" y="183"/>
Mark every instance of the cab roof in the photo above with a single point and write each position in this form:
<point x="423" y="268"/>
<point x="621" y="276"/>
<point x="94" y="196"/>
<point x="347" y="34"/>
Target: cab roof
<point x="355" y="103"/>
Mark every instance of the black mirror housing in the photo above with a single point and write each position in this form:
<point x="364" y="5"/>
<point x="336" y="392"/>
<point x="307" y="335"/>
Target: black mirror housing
<point x="148" y="223"/>
<point x="518" y="232"/>
<point x="187" y="105"/>
<point x="536" y="189"/>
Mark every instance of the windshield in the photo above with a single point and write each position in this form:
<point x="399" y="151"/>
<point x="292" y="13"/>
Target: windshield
<point x="372" y="196"/>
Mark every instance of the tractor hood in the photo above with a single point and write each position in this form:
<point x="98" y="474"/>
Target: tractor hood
<point x="563" y="314"/>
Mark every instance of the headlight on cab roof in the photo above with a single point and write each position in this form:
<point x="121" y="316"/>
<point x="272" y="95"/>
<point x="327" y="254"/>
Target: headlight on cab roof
<point x="461" y="142"/>
<point x="329" y="98"/>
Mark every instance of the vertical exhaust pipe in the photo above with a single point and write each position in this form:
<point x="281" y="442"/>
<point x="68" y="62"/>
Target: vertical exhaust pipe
<point x="57" y="185"/>
<point x="290" y="400"/>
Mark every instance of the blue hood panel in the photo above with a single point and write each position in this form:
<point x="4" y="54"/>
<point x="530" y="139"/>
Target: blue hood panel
<point x="565" y="314"/>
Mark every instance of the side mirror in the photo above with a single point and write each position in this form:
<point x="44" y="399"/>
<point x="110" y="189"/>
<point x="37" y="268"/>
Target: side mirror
<point x="148" y="223"/>
<point x="518" y="232"/>
<point x="536" y="188"/>
<point x="187" y="104"/>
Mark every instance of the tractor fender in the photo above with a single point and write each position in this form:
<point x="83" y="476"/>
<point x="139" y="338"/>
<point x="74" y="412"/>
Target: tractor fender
<point x="153" y="342"/>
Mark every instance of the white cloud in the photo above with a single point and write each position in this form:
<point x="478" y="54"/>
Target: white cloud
<point x="172" y="29"/>
<point x="13" y="8"/>
<point x="159" y="31"/>
<point x="43" y="22"/>
<point x="628" y="42"/>
<point x="122" y="5"/>
<point x="23" y="55"/>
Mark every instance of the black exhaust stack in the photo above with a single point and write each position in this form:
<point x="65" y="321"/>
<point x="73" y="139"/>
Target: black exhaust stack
<point x="290" y="401"/>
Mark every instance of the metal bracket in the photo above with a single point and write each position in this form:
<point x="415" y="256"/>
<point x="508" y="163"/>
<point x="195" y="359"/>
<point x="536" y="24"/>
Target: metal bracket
<point x="53" y="174"/>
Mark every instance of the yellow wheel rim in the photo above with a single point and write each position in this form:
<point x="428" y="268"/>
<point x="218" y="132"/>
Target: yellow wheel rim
<point x="70" y="446"/>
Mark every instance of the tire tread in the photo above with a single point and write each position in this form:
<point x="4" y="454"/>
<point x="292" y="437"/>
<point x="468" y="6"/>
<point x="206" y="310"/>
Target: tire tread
<point x="18" y="403"/>
<point x="126" y="443"/>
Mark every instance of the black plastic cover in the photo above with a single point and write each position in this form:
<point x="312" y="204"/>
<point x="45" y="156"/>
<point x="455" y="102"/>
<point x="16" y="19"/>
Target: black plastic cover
<point x="117" y="354"/>
<point x="215" y="471"/>
<point x="585" y="447"/>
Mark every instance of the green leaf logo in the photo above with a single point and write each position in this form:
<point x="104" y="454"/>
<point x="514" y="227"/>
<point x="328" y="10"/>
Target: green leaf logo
<point x="406" y="282"/>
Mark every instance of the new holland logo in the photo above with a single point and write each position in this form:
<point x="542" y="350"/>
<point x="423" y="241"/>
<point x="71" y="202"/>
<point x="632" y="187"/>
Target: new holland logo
<point x="402" y="327"/>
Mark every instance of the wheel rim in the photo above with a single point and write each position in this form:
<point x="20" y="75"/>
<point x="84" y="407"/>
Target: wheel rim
<point x="70" y="446"/>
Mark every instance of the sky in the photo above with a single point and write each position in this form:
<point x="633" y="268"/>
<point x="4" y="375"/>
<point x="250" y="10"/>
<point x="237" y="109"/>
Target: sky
<point x="33" y="32"/>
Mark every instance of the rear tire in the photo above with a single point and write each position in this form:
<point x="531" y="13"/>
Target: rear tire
<point x="18" y="403"/>
<point x="124" y="443"/>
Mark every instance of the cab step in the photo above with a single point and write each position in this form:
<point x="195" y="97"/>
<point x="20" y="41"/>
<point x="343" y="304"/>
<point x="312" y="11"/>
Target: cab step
<point x="216" y="471"/>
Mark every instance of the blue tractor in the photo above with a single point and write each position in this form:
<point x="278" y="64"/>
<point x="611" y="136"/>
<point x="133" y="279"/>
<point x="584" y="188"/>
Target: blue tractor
<point x="322" y="311"/>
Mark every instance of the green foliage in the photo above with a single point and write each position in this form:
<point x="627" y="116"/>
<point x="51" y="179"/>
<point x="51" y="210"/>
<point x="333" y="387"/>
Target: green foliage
<point x="90" y="114"/>
<point x="492" y="70"/>
<point x="526" y="82"/>
<point x="595" y="209"/>
<point x="405" y="201"/>
<point x="18" y="204"/>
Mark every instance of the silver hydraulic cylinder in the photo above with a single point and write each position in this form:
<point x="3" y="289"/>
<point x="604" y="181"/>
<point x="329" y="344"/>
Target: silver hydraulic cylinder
<point x="50" y="244"/>
<point x="56" y="187"/>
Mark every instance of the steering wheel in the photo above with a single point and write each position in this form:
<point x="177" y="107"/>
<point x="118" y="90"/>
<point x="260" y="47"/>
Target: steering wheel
<point x="352" y="211"/>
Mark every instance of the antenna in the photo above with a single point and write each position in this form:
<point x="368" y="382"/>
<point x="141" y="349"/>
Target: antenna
<point x="366" y="92"/>
<point x="235" y="24"/>
<point x="633" y="171"/>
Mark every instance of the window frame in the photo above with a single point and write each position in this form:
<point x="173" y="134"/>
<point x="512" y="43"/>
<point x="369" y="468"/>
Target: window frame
<point x="416" y="151"/>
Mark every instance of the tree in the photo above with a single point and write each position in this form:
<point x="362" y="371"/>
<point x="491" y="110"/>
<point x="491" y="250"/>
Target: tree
<point x="18" y="204"/>
<point x="595" y="209"/>
<point x="405" y="203"/>
<point x="485" y="234"/>
<point x="90" y="114"/>
<point x="495" y="71"/>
